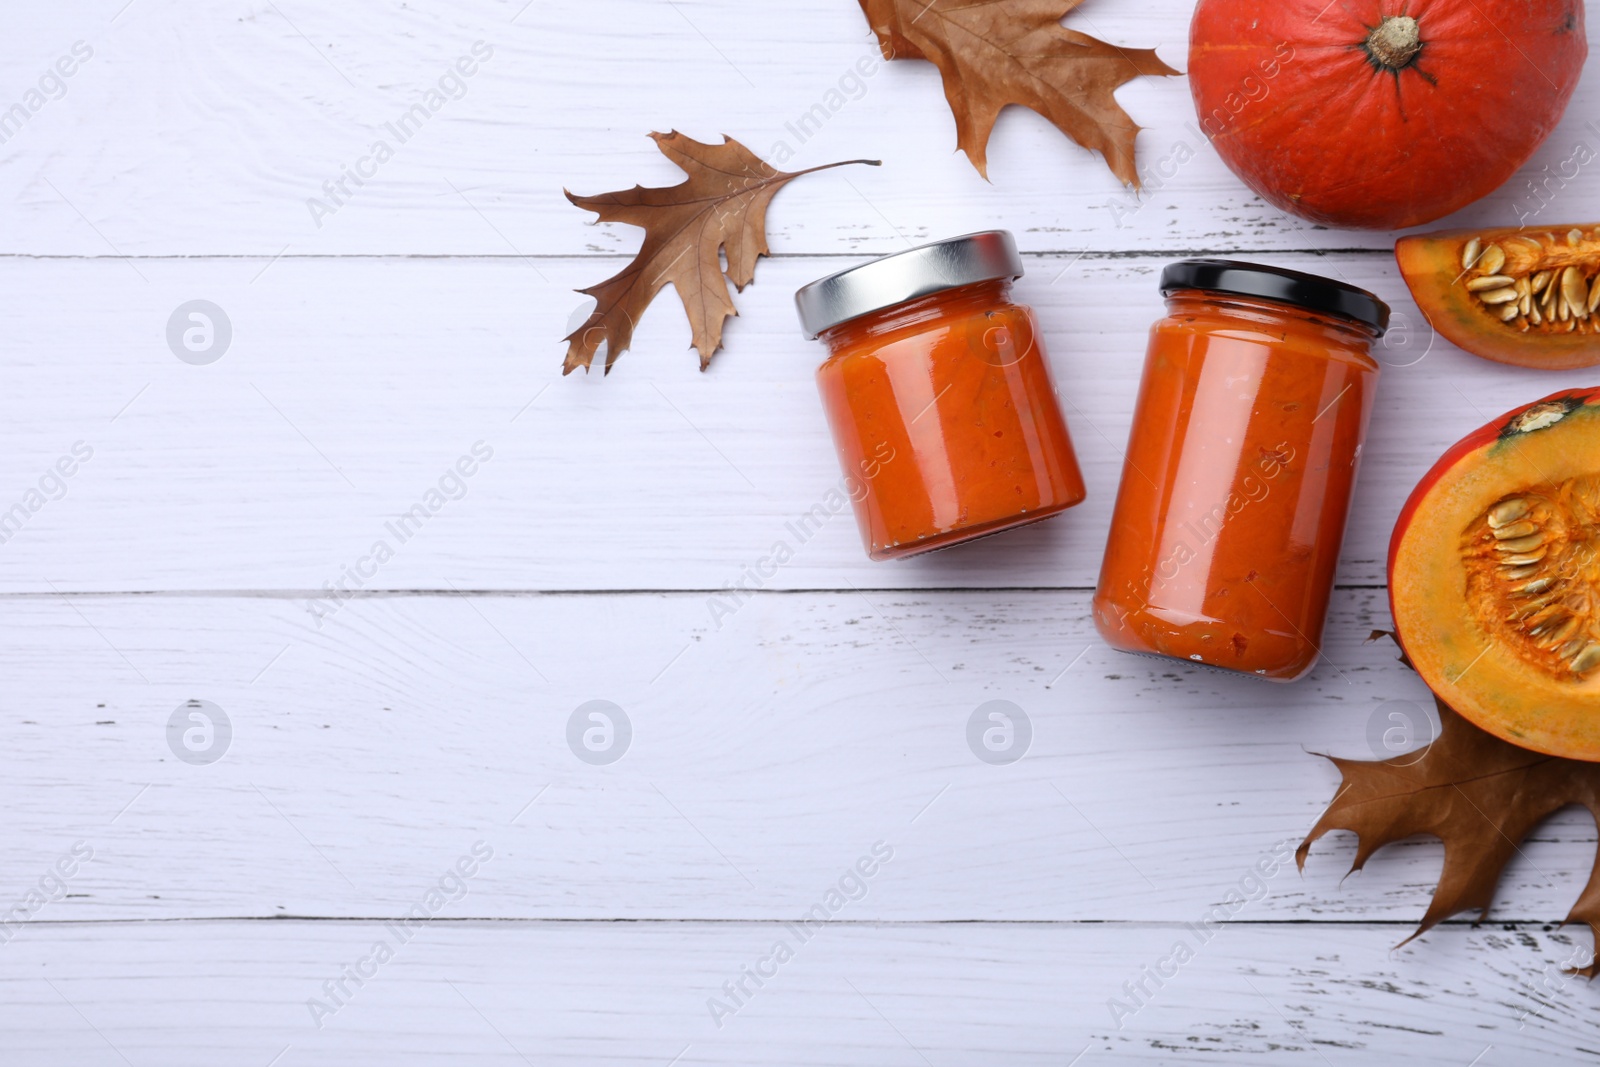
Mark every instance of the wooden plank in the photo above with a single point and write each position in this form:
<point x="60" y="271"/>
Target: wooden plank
<point x="565" y="993"/>
<point x="769" y="749"/>
<point x="351" y="388"/>
<point x="209" y="131"/>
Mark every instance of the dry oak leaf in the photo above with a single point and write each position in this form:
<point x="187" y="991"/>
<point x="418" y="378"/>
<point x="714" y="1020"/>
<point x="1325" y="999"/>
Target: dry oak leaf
<point x="721" y="208"/>
<point x="1476" y="793"/>
<point x="997" y="52"/>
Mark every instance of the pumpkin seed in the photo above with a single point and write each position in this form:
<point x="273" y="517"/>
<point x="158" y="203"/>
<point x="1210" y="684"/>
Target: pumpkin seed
<point x="1498" y="296"/>
<point x="1494" y="257"/>
<point x="1562" y="633"/>
<point x="1493" y="281"/>
<point x="1575" y="292"/>
<point x="1542" y="279"/>
<point x="1547" y="628"/>
<point x="1469" y="254"/>
<point x="1508" y="511"/>
<point x="1512" y="530"/>
<point x="1587" y="660"/>
<point x="1541" y="618"/>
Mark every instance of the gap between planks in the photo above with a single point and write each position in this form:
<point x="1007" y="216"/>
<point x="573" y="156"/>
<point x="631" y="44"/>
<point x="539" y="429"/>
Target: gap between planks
<point x="1509" y="924"/>
<point x="388" y="594"/>
<point x="1157" y="253"/>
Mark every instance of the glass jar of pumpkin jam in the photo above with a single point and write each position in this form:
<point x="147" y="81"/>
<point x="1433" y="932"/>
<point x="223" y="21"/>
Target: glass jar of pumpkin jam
<point x="1257" y="388"/>
<point x="939" y="394"/>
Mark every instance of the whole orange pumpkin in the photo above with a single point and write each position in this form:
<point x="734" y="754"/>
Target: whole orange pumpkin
<point x="1381" y="113"/>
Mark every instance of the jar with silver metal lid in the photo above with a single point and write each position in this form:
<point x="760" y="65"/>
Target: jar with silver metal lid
<point x="939" y="395"/>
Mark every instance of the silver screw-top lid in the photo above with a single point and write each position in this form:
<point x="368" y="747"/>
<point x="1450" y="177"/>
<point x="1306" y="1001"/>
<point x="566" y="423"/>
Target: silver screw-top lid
<point x="917" y="272"/>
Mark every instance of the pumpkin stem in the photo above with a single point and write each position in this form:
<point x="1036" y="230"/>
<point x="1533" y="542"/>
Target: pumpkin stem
<point x="1395" y="42"/>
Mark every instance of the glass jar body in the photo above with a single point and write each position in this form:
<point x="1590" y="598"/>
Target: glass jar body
<point x="1241" y="463"/>
<point x="945" y="418"/>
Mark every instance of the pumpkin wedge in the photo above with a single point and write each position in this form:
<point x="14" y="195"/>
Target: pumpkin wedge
<point x="1525" y="297"/>
<point x="1494" y="576"/>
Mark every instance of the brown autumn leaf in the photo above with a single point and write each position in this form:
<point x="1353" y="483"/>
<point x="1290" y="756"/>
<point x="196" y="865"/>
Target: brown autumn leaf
<point x="1476" y="793"/>
<point x="719" y="209"/>
<point x="997" y="52"/>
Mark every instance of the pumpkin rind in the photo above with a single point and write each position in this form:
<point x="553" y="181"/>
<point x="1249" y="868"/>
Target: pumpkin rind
<point x="1300" y="103"/>
<point x="1484" y="655"/>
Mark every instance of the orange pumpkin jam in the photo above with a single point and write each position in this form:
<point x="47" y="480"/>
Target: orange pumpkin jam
<point x="944" y="404"/>
<point x="1240" y="467"/>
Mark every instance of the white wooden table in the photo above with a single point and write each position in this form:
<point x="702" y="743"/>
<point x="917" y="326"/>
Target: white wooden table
<point x="376" y="738"/>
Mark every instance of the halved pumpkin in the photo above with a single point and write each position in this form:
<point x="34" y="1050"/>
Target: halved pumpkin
<point x="1525" y="297"/>
<point x="1494" y="576"/>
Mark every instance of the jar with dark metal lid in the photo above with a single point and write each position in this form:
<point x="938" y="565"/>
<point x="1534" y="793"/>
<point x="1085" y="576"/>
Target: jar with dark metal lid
<point x="939" y="395"/>
<point x="1236" y="486"/>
